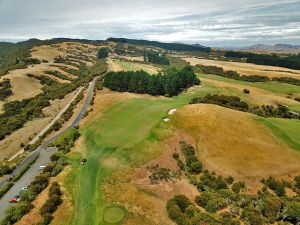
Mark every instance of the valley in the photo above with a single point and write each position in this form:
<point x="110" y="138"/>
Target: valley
<point x="127" y="155"/>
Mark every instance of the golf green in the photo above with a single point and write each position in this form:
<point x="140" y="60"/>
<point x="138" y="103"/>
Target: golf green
<point x="113" y="214"/>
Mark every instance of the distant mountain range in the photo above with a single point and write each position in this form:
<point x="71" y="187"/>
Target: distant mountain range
<point x="277" y="48"/>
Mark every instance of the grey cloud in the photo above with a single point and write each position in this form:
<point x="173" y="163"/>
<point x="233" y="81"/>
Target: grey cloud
<point x="215" y="22"/>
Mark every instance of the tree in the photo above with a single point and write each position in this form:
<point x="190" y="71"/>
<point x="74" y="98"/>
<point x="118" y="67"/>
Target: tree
<point x="102" y="53"/>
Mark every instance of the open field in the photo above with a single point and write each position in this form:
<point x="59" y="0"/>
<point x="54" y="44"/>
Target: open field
<point x="239" y="147"/>
<point x="278" y="88"/>
<point x="118" y="65"/>
<point x="260" y="94"/>
<point x="247" y="68"/>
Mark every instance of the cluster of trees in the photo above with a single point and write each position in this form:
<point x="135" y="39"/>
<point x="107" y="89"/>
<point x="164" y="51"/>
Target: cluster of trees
<point x="234" y="102"/>
<point x="170" y="84"/>
<point x="291" y="61"/>
<point x="159" y="174"/>
<point x="67" y="141"/>
<point x="155" y="58"/>
<point x="103" y="53"/>
<point x="5" y="169"/>
<point x="193" y="165"/>
<point x="5" y="89"/>
<point x="52" y="203"/>
<point x="223" y="203"/>
<point x="167" y="46"/>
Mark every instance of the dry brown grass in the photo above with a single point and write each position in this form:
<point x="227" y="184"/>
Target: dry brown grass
<point x="11" y="144"/>
<point x="247" y="68"/>
<point x="134" y="58"/>
<point x="233" y="143"/>
<point x="143" y="207"/>
<point x="46" y="52"/>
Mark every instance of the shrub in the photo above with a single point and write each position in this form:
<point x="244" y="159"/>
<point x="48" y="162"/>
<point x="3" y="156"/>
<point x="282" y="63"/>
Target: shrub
<point x="246" y="91"/>
<point x="5" y="169"/>
<point x="5" y="188"/>
<point x="237" y="186"/>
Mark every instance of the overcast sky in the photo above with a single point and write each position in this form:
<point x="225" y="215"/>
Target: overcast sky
<point x="210" y="22"/>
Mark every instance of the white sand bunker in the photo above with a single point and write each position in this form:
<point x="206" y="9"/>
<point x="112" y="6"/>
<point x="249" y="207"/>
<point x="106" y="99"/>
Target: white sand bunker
<point x="166" y="120"/>
<point x="172" y="111"/>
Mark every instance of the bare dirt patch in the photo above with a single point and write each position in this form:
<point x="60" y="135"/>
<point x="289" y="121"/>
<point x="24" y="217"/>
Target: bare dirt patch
<point x="233" y="143"/>
<point x="247" y="68"/>
<point x="167" y="189"/>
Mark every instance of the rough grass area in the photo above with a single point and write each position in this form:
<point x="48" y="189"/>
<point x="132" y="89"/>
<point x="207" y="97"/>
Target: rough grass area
<point x="233" y="143"/>
<point x="131" y="66"/>
<point x="280" y="88"/>
<point x="287" y="130"/>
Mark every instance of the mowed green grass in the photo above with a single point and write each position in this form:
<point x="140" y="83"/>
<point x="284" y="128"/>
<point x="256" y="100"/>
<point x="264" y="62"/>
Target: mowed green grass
<point x="119" y="134"/>
<point x="280" y="88"/>
<point x="286" y="130"/>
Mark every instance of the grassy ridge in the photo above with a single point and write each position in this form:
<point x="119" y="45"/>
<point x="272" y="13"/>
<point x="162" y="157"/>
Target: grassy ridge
<point x="286" y="130"/>
<point x="280" y="88"/>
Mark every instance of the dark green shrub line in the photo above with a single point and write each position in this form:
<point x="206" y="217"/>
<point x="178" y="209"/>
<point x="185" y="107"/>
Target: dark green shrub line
<point x="234" y="102"/>
<point x="58" y="74"/>
<point x="288" y="80"/>
<point x="5" y="188"/>
<point x="5" y="89"/>
<point x="170" y="84"/>
<point x="51" y="204"/>
<point x="26" y="167"/>
<point x="291" y="61"/>
<point x="193" y="165"/>
<point x="270" y="205"/>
